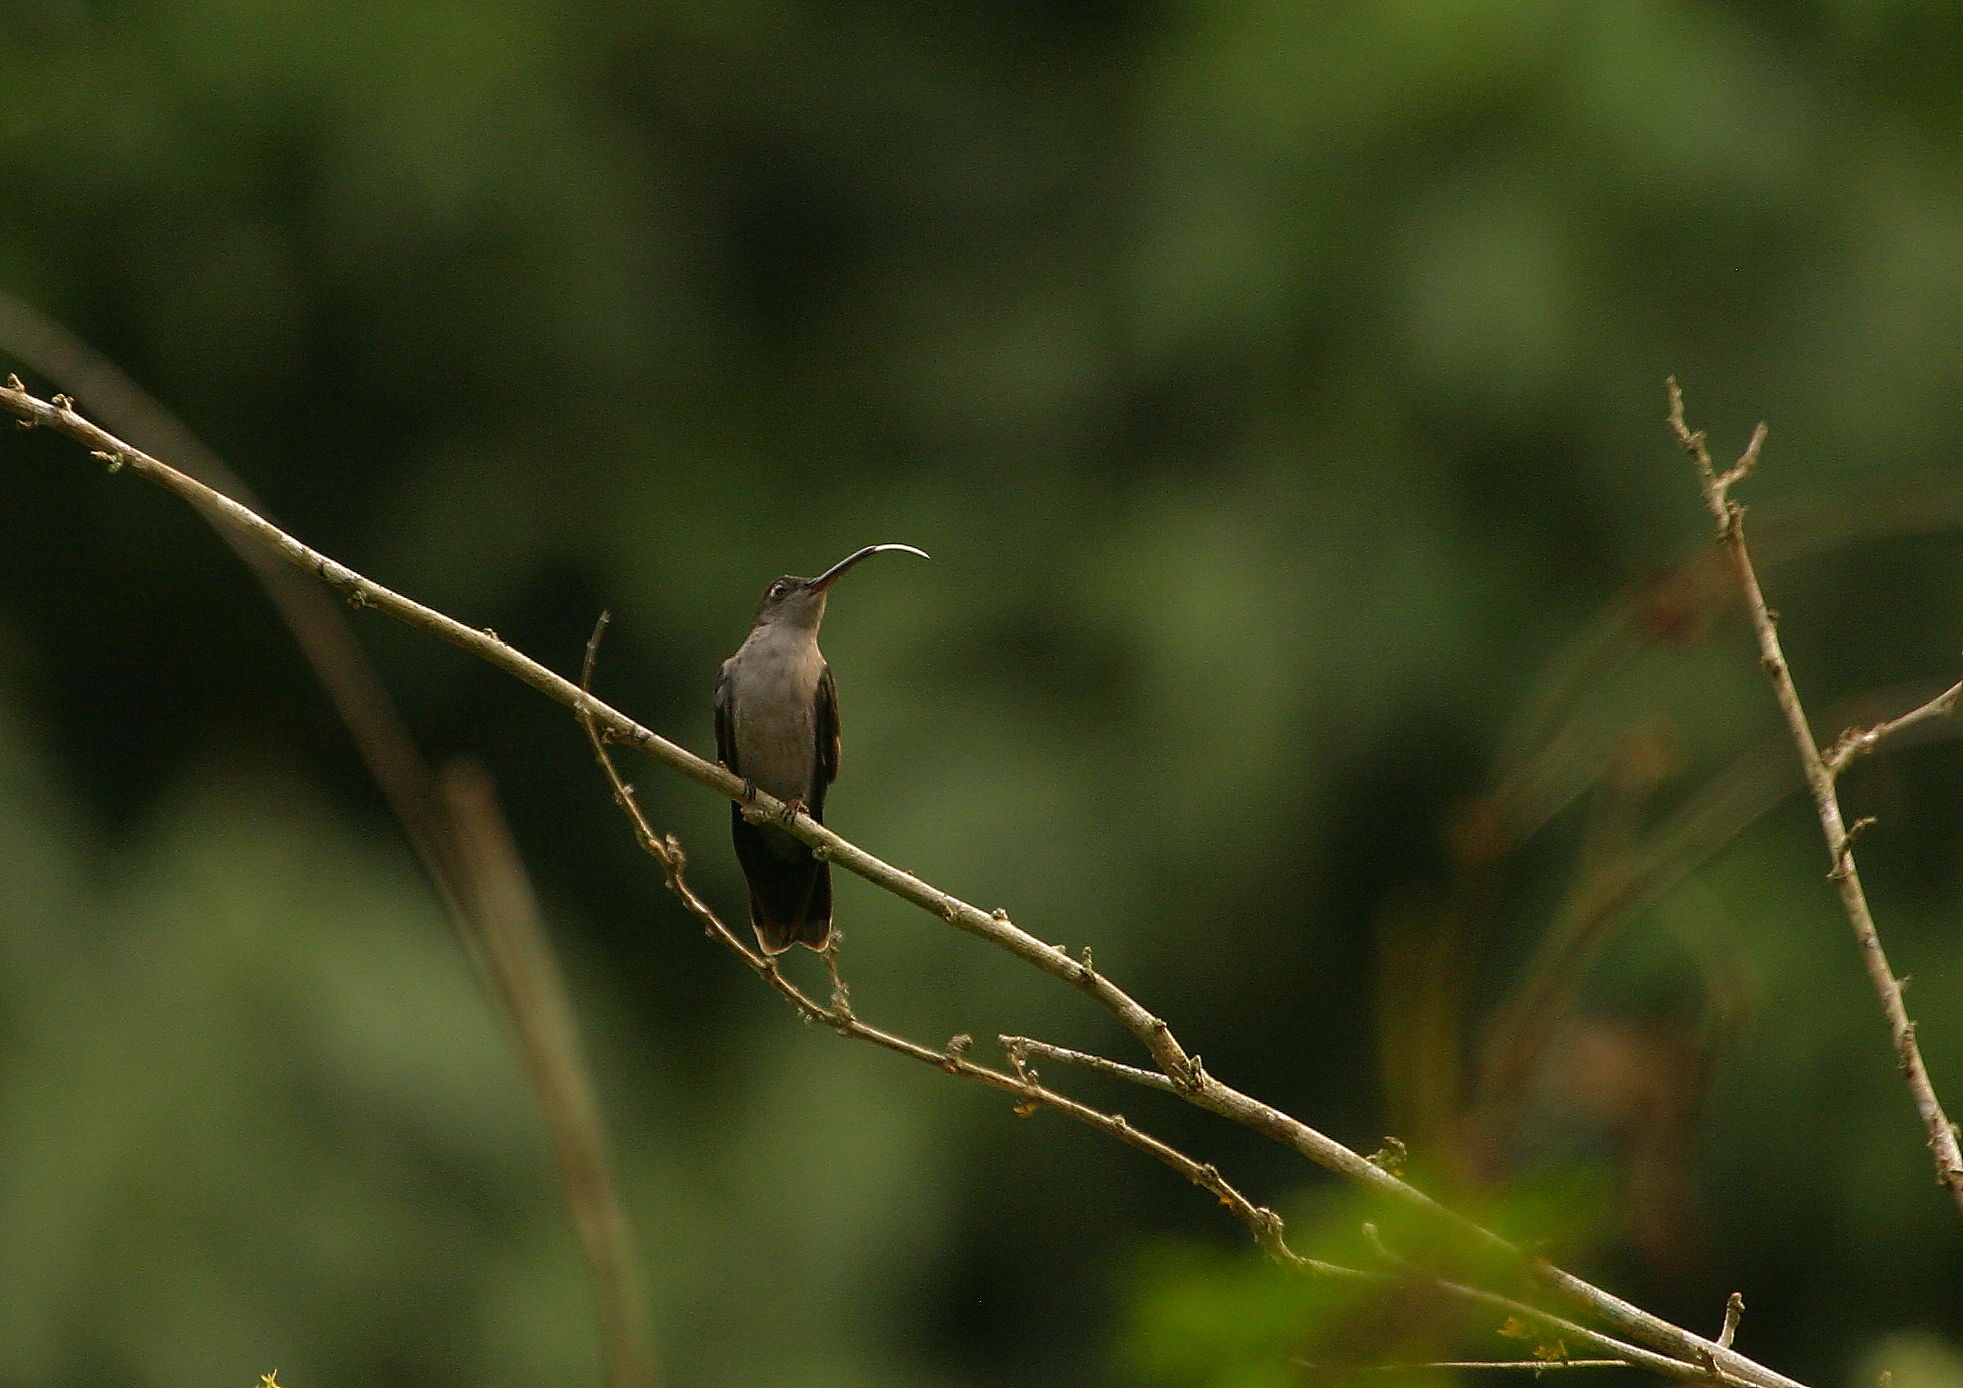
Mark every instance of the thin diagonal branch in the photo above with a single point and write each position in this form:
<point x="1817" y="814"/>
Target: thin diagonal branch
<point x="1820" y="773"/>
<point x="1191" y="1080"/>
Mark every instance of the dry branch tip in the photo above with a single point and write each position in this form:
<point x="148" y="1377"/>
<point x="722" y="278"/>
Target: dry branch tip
<point x="1820" y="769"/>
<point x="1734" y="1311"/>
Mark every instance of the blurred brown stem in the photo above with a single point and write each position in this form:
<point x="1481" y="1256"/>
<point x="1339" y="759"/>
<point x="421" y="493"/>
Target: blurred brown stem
<point x="1821" y="772"/>
<point x="532" y="992"/>
<point x="461" y="857"/>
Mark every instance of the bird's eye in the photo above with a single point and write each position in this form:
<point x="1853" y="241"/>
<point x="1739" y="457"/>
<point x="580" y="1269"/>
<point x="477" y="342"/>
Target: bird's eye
<point x="779" y="588"/>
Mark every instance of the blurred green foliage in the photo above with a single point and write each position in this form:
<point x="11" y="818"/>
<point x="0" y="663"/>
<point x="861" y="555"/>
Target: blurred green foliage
<point x="1278" y="388"/>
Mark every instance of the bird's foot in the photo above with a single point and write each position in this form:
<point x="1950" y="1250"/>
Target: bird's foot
<point x="793" y="807"/>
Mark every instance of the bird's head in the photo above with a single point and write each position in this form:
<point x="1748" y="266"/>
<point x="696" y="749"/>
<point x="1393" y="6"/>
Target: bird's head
<point x="800" y="602"/>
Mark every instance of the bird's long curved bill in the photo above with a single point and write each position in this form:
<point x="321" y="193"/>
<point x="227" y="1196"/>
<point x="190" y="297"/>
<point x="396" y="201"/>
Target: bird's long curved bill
<point x="824" y="579"/>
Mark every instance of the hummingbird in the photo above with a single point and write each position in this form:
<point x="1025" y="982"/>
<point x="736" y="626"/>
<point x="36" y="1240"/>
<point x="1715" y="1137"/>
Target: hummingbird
<point x="777" y="728"/>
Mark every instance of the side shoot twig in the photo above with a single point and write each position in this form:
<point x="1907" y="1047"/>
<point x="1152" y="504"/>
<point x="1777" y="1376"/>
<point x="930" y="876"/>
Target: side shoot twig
<point x="1185" y="1072"/>
<point x="1822" y="772"/>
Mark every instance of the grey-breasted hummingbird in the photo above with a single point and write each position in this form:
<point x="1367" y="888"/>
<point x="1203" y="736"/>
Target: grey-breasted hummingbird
<point x="777" y="728"/>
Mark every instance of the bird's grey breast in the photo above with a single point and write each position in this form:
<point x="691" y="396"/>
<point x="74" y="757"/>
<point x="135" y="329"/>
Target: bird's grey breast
<point x="773" y="691"/>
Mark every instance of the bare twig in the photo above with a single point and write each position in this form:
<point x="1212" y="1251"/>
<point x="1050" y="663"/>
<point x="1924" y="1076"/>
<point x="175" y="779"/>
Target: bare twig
<point x="1190" y="1080"/>
<point x="1820" y="772"/>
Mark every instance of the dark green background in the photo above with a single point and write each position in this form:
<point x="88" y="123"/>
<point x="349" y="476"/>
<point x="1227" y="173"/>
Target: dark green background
<point x="1278" y="387"/>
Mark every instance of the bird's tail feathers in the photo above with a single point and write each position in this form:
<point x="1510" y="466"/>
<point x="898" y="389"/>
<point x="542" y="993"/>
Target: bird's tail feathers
<point x="790" y="891"/>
